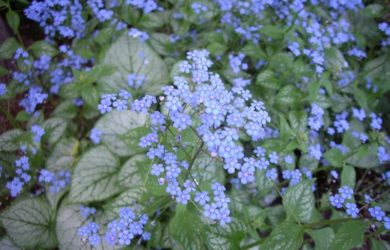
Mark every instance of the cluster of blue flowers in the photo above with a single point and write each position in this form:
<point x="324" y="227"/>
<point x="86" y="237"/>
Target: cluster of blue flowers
<point x="87" y="211"/>
<point x="345" y="198"/>
<point x="90" y="233"/>
<point x="129" y="225"/>
<point x="58" y="17"/>
<point x="385" y="27"/>
<point x="146" y="6"/>
<point x="22" y="165"/>
<point x="38" y="132"/>
<point x="319" y="31"/>
<point x="223" y="114"/>
<point x="135" y="80"/>
<point x="119" y="232"/>
<point x="119" y="101"/>
<point x="56" y="181"/>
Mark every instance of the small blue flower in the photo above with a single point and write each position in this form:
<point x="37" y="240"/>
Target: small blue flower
<point x="346" y="192"/>
<point x="3" y="89"/>
<point x="351" y="209"/>
<point x="377" y="213"/>
<point x="95" y="135"/>
<point x="336" y="200"/>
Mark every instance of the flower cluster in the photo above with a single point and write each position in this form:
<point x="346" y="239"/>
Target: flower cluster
<point x="123" y="230"/>
<point x="344" y="198"/>
<point x="135" y="80"/>
<point x="119" y="101"/>
<point x="57" y="17"/>
<point x="38" y="132"/>
<point x="90" y="233"/>
<point x="222" y="115"/>
<point x="22" y="165"/>
<point x="56" y="181"/>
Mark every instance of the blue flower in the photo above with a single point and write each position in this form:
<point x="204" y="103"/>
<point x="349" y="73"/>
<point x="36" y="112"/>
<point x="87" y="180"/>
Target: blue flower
<point x="336" y="200"/>
<point x="236" y="63"/>
<point x="271" y="174"/>
<point x="3" y="89"/>
<point x="351" y="209"/>
<point x="95" y="135"/>
<point x="202" y="198"/>
<point x="377" y="213"/>
<point x="181" y="120"/>
<point x="135" y="80"/>
<point x="89" y="232"/>
<point x="87" y="211"/>
<point x="315" y="151"/>
<point x="38" y="132"/>
<point x="346" y="192"/>
<point x="15" y="186"/>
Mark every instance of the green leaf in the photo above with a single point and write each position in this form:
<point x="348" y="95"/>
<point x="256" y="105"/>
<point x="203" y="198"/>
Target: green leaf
<point x="298" y="120"/>
<point x="161" y="237"/>
<point x="29" y="223"/>
<point x="335" y="157"/>
<point x="288" y="95"/>
<point x="7" y="244"/>
<point x="267" y="79"/>
<point x="335" y="60"/>
<point x="3" y="71"/>
<point x="54" y="129"/>
<point x="379" y="244"/>
<point x="130" y="55"/>
<point x="69" y="220"/>
<point x="254" y="51"/>
<point x="286" y="235"/>
<point x="374" y="10"/>
<point x="155" y="19"/>
<point x="115" y="126"/>
<point x="131" y="196"/>
<point x="161" y="43"/>
<point x="13" y="20"/>
<point x="216" y="48"/>
<point x="276" y="33"/>
<point x="322" y="238"/>
<point x="299" y="201"/>
<point x="263" y="184"/>
<point x="40" y="48"/>
<point x="227" y="236"/>
<point x="95" y="176"/>
<point x="91" y="96"/>
<point x="348" y="176"/>
<point x="22" y="116"/>
<point x="130" y="174"/>
<point x="365" y="157"/>
<point x="63" y="155"/>
<point x="9" y="140"/>
<point x="65" y="110"/>
<point x="349" y="235"/>
<point x="8" y="48"/>
<point x="187" y="229"/>
<point x="207" y="170"/>
<point x="132" y="138"/>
